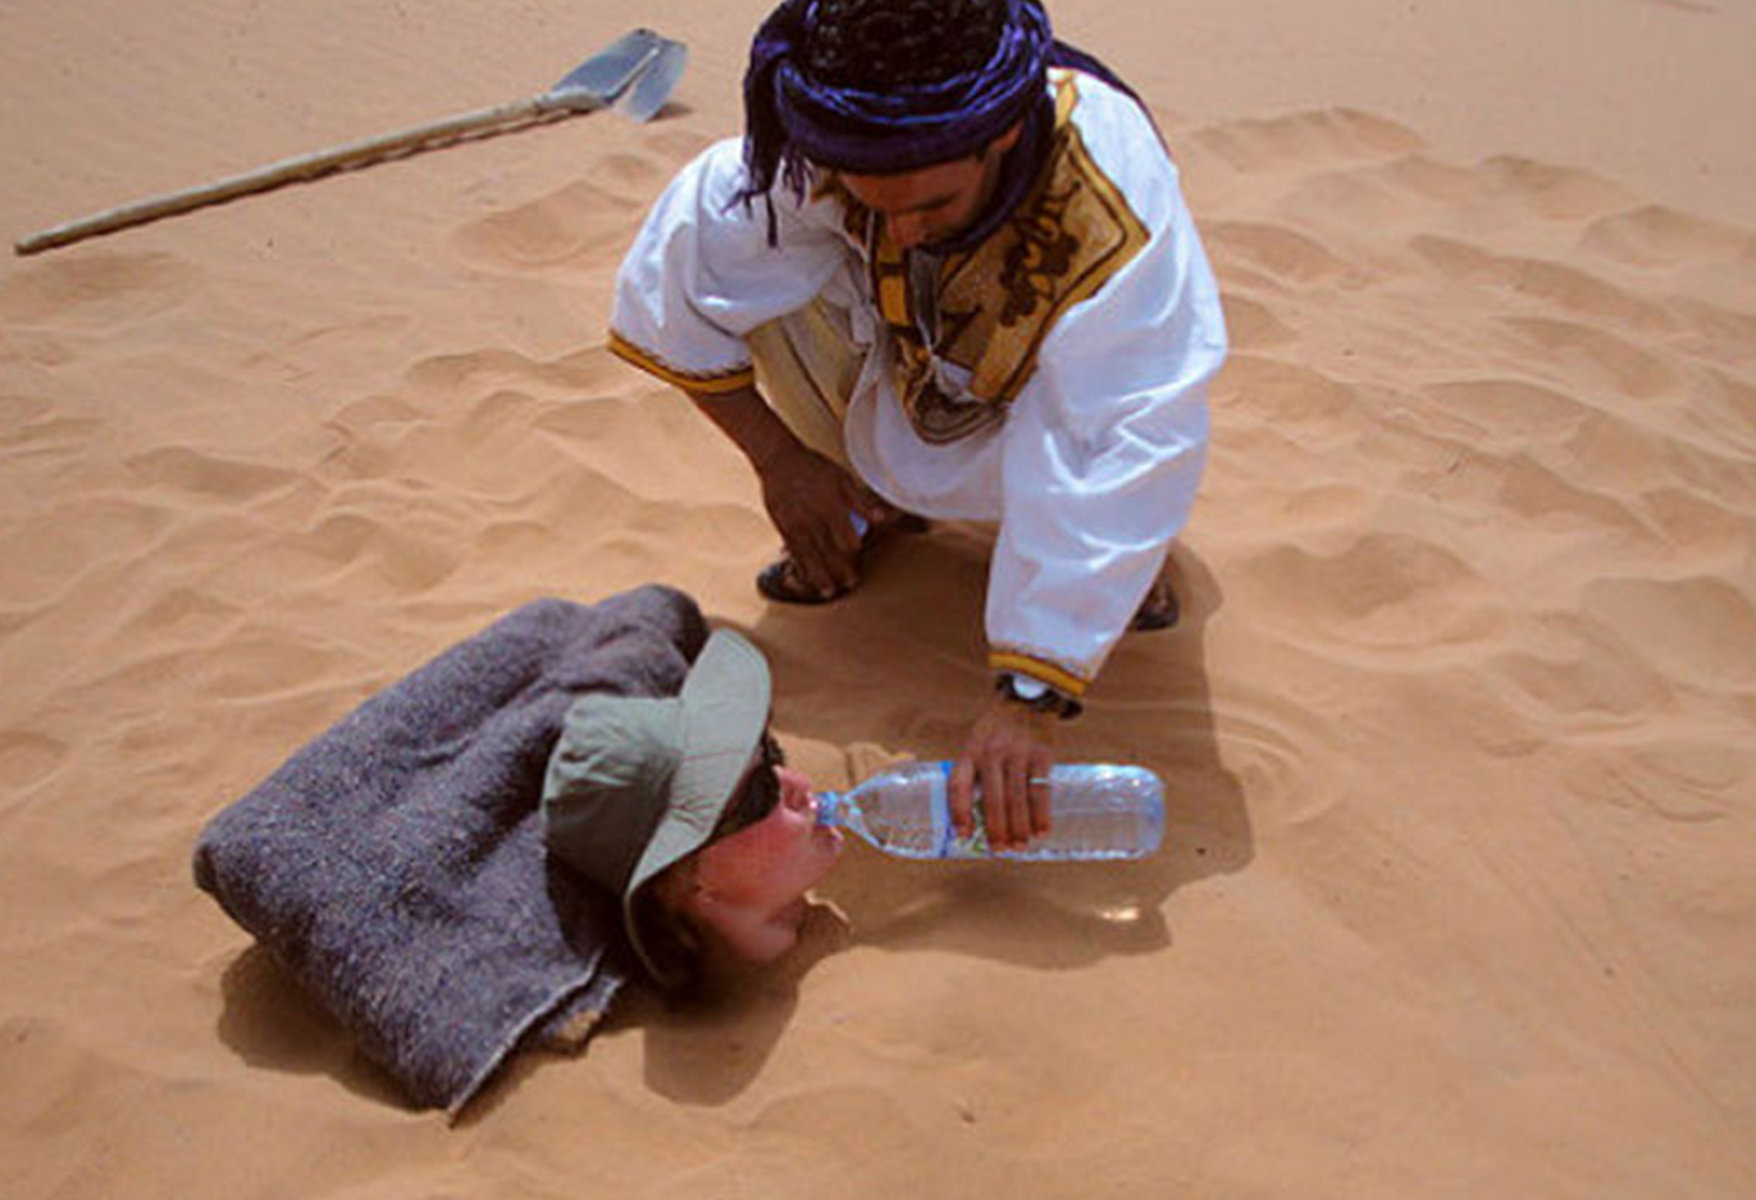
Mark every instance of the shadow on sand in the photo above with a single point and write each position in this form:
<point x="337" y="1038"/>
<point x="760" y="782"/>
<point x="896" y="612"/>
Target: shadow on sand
<point x="272" y="1022"/>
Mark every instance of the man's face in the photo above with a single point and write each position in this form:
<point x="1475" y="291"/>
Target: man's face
<point x="934" y="204"/>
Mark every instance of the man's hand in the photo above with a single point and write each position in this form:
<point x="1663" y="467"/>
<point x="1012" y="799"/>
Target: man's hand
<point x="1009" y="746"/>
<point x="808" y="497"/>
<point x="811" y="500"/>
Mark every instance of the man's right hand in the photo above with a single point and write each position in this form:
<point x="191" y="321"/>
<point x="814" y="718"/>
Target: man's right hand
<point x="809" y="498"/>
<point x="811" y="501"/>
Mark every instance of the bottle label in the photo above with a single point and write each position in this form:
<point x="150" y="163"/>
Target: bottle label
<point x="945" y="834"/>
<point x="941" y="810"/>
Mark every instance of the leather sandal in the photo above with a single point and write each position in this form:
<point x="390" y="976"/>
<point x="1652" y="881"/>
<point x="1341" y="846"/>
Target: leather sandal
<point x="781" y="582"/>
<point x="1159" y="610"/>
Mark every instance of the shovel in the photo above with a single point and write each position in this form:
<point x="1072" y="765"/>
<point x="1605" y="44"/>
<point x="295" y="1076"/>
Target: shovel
<point x="635" y="73"/>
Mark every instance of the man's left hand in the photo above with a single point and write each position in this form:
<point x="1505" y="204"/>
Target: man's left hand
<point x="1009" y="746"/>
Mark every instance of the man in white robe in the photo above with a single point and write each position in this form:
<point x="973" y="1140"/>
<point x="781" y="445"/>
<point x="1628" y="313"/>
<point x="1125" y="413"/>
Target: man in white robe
<point x="948" y="272"/>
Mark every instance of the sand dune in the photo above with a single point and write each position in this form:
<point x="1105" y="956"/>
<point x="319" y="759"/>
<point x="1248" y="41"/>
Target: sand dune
<point x="1458" y="892"/>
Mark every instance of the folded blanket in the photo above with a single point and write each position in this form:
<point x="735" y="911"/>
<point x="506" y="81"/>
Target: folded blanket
<point x="395" y="865"/>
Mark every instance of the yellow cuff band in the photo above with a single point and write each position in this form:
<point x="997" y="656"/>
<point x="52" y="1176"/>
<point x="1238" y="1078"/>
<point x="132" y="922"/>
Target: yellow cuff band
<point x="1065" y="682"/>
<point x="712" y="383"/>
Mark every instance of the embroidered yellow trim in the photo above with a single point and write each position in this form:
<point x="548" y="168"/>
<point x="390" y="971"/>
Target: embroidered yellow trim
<point x="893" y="299"/>
<point x="997" y="302"/>
<point x="714" y="383"/>
<point x="1065" y="682"/>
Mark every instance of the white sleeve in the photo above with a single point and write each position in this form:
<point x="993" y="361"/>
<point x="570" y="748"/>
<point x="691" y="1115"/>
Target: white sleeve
<point x="1104" y="450"/>
<point x="701" y="273"/>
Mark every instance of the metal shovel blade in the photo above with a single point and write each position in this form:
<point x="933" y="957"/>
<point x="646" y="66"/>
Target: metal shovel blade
<point x="607" y="74"/>
<point x="655" y="82"/>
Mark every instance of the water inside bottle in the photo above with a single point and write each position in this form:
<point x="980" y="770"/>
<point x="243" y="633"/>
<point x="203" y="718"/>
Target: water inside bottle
<point x="1097" y="811"/>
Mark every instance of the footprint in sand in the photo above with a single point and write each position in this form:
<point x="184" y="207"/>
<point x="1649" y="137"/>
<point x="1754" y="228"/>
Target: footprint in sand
<point x="579" y="224"/>
<point x="1555" y="193"/>
<point x="194" y="472"/>
<point x="475" y="416"/>
<point x="1291" y="397"/>
<point x="1253" y="326"/>
<point x="1683" y="782"/>
<point x="1655" y="237"/>
<point x="1727" y="407"/>
<point x="473" y="373"/>
<point x="1502" y="414"/>
<point x="1301" y="141"/>
<point x="1369" y="202"/>
<point x="1544" y="454"/>
<point x="1582" y="674"/>
<point x="1533" y="282"/>
<point x="1547" y="498"/>
<point x="184" y="615"/>
<point x="643" y="433"/>
<point x="1686" y="522"/>
<point x="29" y="427"/>
<point x="1717" y="333"/>
<point x="1273" y="254"/>
<point x="1700" y="629"/>
<point x="1378" y="590"/>
<point x="1596" y="360"/>
<point x="1536" y="488"/>
<point x="410" y="552"/>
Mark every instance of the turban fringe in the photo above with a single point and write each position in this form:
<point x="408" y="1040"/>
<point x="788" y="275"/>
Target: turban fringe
<point x="792" y="122"/>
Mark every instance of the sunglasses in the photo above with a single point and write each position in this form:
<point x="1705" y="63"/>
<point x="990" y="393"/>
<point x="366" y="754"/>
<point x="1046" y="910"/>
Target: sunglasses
<point x="760" y="793"/>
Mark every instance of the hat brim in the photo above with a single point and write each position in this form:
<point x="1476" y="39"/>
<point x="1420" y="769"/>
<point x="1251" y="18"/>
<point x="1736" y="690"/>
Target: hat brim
<point x="725" y="702"/>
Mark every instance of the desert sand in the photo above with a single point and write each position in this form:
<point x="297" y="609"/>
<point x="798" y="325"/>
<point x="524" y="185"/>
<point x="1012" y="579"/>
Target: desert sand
<point x="1459" y="891"/>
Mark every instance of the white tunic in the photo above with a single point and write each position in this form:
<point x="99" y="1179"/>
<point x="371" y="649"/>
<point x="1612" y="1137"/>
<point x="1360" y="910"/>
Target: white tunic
<point x="1095" y="466"/>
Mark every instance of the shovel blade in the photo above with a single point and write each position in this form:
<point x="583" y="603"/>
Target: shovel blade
<point x="655" y="82"/>
<point x="607" y="74"/>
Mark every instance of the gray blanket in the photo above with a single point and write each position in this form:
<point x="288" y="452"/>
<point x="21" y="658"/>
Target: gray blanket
<point x="395" y="865"/>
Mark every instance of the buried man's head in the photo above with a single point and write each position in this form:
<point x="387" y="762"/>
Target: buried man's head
<point x="682" y="807"/>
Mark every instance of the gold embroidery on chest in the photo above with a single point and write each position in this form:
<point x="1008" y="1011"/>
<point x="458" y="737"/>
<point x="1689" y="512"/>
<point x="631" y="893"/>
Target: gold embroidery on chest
<point x="996" y="303"/>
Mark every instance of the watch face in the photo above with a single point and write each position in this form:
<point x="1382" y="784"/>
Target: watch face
<point x="1031" y="693"/>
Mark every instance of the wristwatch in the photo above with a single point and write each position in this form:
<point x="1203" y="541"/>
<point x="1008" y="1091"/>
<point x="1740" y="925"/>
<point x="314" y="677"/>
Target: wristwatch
<point x="1036" y="695"/>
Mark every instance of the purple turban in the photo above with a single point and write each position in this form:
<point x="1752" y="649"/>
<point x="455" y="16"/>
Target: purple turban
<point x="791" y="119"/>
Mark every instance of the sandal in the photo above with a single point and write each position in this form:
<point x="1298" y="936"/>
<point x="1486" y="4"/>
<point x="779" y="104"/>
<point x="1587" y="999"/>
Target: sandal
<point x="781" y="582"/>
<point x="1159" y="610"/>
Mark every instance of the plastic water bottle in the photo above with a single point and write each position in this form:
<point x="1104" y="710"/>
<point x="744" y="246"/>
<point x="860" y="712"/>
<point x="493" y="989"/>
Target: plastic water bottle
<point x="1096" y="811"/>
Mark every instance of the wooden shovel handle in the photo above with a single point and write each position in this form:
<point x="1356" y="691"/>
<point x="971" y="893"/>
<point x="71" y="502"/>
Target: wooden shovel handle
<point x="308" y="166"/>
